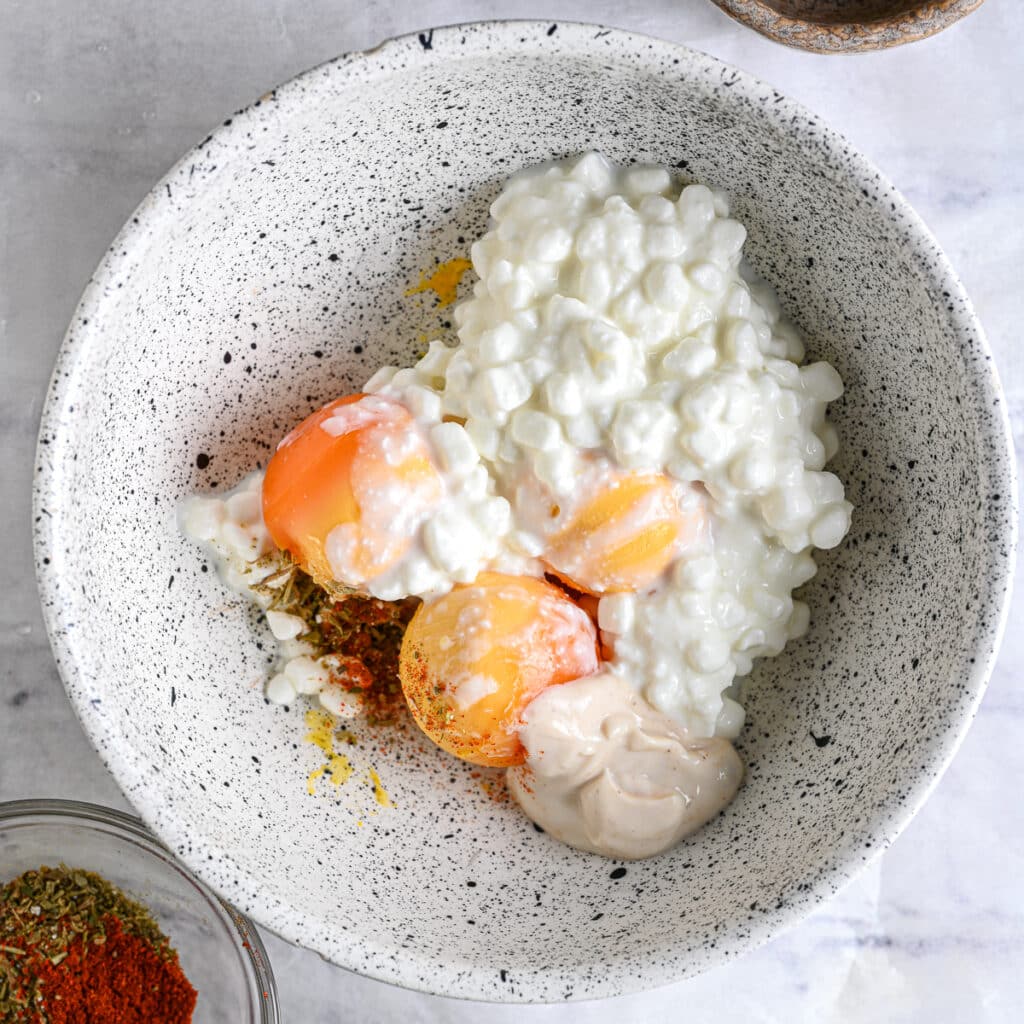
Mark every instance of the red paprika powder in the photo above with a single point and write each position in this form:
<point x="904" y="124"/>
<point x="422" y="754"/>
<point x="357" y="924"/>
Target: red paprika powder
<point x="75" y="950"/>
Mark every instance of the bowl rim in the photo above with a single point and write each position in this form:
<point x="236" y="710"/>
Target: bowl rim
<point x="855" y="36"/>
<point x="623" y="975"/>
<point x="128" y="827"/>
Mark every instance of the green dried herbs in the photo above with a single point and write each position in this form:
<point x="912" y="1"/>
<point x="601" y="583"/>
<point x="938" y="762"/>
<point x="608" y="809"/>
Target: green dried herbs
<point x="59" y="926"/>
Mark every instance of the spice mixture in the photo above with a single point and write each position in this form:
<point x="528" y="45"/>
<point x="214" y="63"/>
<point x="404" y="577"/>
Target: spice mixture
<point x="75" y="950"/>
<point x="357" y="637"/>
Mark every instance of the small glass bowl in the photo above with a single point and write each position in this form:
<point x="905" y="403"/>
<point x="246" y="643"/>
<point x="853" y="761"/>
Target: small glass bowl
<point x="219" y="949"/>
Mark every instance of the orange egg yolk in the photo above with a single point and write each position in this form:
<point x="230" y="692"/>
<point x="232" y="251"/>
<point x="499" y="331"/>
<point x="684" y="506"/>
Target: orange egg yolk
<point x="472" y="660"/>
<point x="347" y="489"/>
<point x="626" y="536"/>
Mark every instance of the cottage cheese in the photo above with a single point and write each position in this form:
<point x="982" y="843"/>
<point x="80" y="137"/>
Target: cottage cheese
<point x="231" y="528"/>
<point x="611" y="327"/>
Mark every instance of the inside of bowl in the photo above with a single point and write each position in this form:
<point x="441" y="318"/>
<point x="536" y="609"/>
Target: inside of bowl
<point x="841" y="12"/>
<point x="269" y="275"/>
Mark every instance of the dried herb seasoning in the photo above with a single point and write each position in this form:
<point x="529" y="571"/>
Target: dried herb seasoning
<point x="75" y="948"/>
<point x="358" y="637"/>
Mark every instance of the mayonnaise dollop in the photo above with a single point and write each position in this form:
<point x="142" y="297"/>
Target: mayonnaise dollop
<point x="608" y="773"/>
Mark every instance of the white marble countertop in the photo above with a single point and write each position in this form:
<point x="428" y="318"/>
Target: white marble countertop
<point x="97" y="100"/>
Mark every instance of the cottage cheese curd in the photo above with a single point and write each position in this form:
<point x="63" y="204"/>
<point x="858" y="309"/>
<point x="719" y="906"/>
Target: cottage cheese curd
<point x="611" y="327"/>
<point x="231" y="527"/>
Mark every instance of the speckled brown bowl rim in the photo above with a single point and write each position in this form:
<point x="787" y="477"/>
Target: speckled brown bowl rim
<point x="925" y="20"/>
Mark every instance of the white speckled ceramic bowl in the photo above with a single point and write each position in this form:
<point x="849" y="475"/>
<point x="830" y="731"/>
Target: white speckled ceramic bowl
<point x="268" y="273"/>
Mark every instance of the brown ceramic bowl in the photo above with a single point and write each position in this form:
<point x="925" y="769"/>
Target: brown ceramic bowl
<point x="847" y="26"/>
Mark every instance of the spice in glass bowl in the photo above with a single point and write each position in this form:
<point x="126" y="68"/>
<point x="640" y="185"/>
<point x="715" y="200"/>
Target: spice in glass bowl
<point x="75" y="948"/>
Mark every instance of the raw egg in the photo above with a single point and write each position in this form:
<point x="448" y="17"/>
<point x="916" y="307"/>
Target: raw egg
<point x="473" y="660"/>
<point x="348" y="488"/>
<point x="625" y="536"/>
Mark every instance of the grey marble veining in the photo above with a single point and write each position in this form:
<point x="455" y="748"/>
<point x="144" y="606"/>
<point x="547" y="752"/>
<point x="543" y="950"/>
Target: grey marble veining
<point x="94" y="105"/>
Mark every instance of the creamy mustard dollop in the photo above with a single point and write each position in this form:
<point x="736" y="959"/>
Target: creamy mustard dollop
<point x="607" y="772"/>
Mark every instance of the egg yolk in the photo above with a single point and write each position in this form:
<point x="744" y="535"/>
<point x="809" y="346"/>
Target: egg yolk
<point x="472" y="661"/>
<point x="347" y="489"/>
<point x="626" y="536"/>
